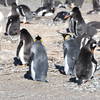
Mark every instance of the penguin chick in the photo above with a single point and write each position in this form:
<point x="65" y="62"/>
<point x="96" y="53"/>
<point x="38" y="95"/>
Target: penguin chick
<point x="39" y="61"/>
<point x="24" y="48"/>
<point x="86" y="64"/>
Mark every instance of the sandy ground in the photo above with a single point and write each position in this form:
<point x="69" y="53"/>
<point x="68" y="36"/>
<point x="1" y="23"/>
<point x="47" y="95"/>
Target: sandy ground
<point x="13" y="85"/>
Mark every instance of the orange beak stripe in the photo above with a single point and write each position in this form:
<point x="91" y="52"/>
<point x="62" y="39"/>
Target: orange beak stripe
<point x="67" y="17"/>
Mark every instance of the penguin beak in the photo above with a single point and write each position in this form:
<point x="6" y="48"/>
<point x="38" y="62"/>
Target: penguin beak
<point x="67" y="16"/>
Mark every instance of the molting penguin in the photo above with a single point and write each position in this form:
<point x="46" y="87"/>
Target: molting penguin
<point x="24" y="47"/>
<point x="1" y="21"/>
<point x="13" y="23"/>
<point x="86" y="64"/>
<point x="25" y="12"/>
<point x="39" y="61"/>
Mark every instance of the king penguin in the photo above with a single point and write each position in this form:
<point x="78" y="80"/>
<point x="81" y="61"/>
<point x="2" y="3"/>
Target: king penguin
<point x="24" y="48"/>
<point x="39" y="61"/>
<point x="86" y="64"/>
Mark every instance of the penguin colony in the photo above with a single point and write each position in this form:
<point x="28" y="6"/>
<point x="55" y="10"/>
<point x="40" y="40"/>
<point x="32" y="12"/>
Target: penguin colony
<point x="78" y="44"/>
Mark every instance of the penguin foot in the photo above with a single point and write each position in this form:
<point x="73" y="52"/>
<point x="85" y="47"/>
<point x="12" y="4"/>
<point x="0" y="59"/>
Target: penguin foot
<point x="5" y="34"/>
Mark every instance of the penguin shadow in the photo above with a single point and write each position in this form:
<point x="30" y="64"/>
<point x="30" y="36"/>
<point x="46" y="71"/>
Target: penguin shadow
<point x="17" y="61"/>
<point x="60" y="69"/>
<point x="94" y="24"/>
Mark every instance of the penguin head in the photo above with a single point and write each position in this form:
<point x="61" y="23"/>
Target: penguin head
<point x="14" y="5"/>
<point x="66" y="36"/>
<point x="23" y="30"/>
<point x="38" y="38"/>
<point x="91" y="44"/>
<point x="75" y="13"/>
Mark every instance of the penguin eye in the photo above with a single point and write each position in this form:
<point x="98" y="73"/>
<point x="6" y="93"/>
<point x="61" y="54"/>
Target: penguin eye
<point x="94" y="45"/>
<point x="10" y="20"/>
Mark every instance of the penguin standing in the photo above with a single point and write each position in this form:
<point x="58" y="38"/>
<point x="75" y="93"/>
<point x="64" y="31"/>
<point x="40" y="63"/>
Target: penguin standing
<point x="71" y="48"/>
<point x="86" y="64"/>
<point x="13" y="23"/>
<point x="26" y="13"/>
<point x="39" y="61"/>
<point x="77" y="24"/>
<point x="24" y="48"/>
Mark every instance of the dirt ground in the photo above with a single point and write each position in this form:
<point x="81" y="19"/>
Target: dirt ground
<point x="13" y="85"/>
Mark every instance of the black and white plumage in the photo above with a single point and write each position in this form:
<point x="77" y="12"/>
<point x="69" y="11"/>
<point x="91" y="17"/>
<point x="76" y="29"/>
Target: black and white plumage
<point x="23" y="52"/>
<point x="44" y="11"/>
<point x="77" y="24"/>
<point x="13" y="23"/>
<point x="61" y="16"/>
<point x="86" y="64"/>
<point x="39" y="61"/>
<point x="25" y="12"/>
<point x="49" y="12"/>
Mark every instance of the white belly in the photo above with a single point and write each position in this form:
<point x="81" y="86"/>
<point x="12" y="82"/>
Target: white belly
<point x="32" y="70"/>
<point x="1" y="21"/>
<point x="49" y="14"/>
<point x="9" y="14"/>
<point x="93" y="69"/>
<point x="21" y="55"/>
<point x="66" y="68"/>
<point x="41" y="12"/>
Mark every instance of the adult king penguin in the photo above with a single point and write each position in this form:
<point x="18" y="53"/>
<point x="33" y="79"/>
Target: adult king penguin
<point x="39" y="61"/>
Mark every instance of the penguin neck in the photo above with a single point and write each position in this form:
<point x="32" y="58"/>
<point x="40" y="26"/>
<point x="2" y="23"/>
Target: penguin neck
<point x="14" y="11"/>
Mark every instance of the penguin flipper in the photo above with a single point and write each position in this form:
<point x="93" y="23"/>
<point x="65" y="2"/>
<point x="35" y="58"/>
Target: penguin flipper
<point x="19" y="47"/>
<point x="8" y="23"/>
